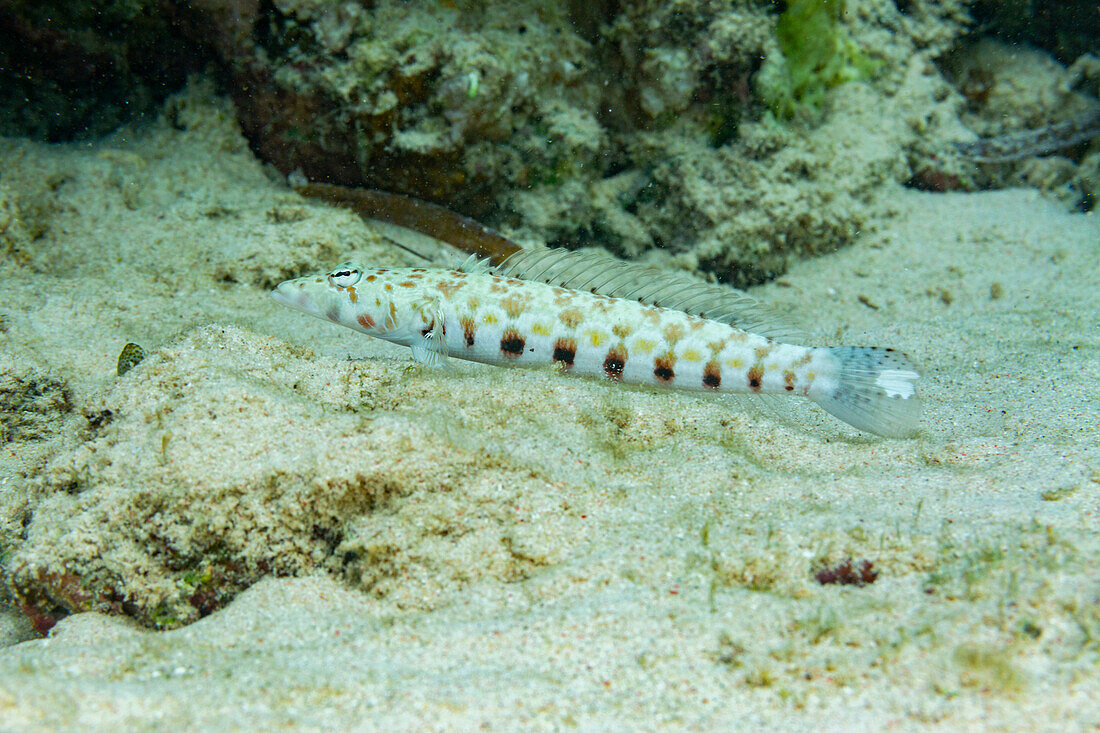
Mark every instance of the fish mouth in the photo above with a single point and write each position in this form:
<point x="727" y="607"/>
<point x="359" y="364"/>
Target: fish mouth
<point x="286" y="293"/>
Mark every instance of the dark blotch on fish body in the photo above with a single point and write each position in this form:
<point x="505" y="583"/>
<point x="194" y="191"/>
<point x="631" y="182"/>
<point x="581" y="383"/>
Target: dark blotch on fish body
<point x="565" y="351"/>
<point x="511" y="343"/>
<point x="662" y="369"/>
<point x="614" y="362"/>
<point x="712" y="375"/>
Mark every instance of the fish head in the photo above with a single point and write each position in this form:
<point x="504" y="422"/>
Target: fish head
<point x="322" y="295"/>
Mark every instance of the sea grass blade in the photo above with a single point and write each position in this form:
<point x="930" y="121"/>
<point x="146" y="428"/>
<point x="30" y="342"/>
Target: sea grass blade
<point x="419" y="216"/>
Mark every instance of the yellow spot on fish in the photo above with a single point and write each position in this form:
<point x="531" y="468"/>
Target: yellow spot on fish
<point x="644" y="346"/>
<point x="691" y="355"/>
<point x="541" y="329"/>
<point x="596" y="337"/>
<point x="489" y="319"/>
<point x="735" y="363"/>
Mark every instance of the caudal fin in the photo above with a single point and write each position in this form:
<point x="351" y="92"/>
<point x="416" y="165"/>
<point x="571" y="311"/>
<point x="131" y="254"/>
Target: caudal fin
<point x="876" y="391"/>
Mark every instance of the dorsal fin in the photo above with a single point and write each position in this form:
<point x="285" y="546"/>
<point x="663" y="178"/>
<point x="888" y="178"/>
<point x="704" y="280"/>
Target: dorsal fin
<point x="604" y="275"/>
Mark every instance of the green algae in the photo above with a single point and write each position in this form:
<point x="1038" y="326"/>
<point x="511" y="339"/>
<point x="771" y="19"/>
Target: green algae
<point x="815" y="55"/>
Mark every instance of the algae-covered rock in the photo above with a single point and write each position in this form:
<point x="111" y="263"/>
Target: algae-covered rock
<point x="208" y="478"/>
<point x="630" y="126"/>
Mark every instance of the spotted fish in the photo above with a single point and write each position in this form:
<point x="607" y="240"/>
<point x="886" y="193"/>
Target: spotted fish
<point x="594" y="317"/>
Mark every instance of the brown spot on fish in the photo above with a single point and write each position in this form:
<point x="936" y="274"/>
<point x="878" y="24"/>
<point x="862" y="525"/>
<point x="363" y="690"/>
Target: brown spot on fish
<point x="662" y="368"/>
<point x="571" y="317"/>
<point x="448" y="288"/>
<point x="614" y="362"/>
<point x="756" y="374"/>
<point x="673" y="333"/>
<point x="621" y="330"/>
<point x="565" y="351"/>
<point x="431" y="327"/>
<point x="712" y="375"/>
<point x="562" y="298"/>
<point x="762" y="351"/>
<point x="511" y="343"/>
<point x="515" y="304"/>
<point x="468" y="329"/>
<point x="652" y="315"/>
<point x="364" y="320"/>
<point x="407" y="284"/>
<point x="788" y="380"/>
<point x="602" y="303"/>
<point x="352" y="296"/>
<point x="371" y="278"/>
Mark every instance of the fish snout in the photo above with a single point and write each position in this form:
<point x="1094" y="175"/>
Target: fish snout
<point x="291" y="294"/>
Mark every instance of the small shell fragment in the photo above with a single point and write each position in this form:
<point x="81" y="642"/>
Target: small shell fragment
<point x="131" y="356"/>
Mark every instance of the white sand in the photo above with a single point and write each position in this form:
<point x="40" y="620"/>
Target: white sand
<point x="596" y="557"/>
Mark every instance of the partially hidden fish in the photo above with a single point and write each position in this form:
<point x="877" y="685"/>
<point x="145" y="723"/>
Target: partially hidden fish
<point x="592" y="316"/>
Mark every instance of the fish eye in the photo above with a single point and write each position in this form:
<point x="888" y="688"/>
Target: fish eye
<point x="344" y="276"/>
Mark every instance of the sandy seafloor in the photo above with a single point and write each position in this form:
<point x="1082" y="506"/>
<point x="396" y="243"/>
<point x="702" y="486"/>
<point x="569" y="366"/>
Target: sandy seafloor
<point x="659" y="549"/>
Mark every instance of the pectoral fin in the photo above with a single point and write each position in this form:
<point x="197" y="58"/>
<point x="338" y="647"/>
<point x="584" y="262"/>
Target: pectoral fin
<point x="431" y="349"/>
